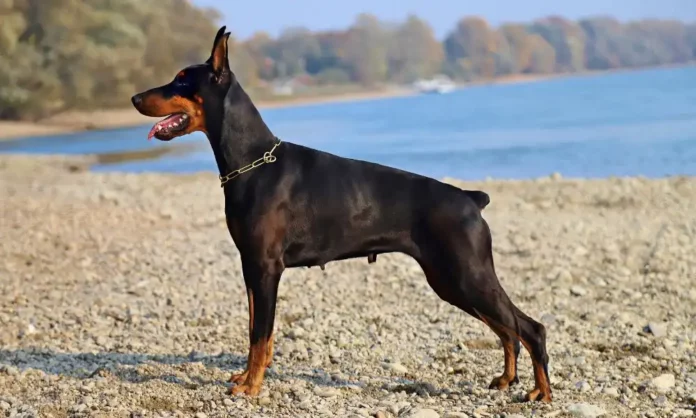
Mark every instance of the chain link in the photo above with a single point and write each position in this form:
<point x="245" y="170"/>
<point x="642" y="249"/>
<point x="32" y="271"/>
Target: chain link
<point x="267" y="158"/>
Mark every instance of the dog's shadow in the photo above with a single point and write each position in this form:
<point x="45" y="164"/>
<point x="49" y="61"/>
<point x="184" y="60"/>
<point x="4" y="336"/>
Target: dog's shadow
<point x="124" y="366"/>
<point x="91" y="365"/>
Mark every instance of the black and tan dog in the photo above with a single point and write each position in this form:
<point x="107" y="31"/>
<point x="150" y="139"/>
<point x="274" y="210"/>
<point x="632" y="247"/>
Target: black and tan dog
<point x="291" y="206"/>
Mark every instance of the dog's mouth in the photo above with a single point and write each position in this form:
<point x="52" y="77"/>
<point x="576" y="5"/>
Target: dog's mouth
<point x="170" y="127"/>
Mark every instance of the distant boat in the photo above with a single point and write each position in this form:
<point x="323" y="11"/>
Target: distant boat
<point x="440" y="84"/>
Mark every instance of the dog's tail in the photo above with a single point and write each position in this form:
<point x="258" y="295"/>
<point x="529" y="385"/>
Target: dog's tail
<point x="480" y="198"/>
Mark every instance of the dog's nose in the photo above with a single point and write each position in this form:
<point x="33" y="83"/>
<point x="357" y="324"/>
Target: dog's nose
<point x="137" y="99"/>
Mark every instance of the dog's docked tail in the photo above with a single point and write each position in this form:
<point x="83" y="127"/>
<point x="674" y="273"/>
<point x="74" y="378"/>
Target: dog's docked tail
<point x="480" y="198"/>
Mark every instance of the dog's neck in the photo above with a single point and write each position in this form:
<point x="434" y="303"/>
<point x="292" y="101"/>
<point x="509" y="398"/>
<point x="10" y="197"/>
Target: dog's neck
<point x="241" y="136"/>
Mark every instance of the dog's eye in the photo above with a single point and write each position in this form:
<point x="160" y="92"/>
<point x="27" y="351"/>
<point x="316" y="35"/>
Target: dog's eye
<point x="180" y="82"/>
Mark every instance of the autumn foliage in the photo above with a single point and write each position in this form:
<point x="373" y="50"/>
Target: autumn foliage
<point x="72" y="54"/>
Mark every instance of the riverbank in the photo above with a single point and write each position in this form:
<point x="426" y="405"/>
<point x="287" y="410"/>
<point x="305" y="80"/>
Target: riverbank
<point x="122" y="296"/>
<point x="77" y="121"/>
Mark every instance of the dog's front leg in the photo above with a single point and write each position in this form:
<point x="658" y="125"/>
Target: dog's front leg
<point x="262" y="279"/>
<point x="241" y="377"/>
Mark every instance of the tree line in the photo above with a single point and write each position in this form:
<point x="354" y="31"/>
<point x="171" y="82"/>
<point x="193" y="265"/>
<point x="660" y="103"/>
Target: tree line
<point x="77" y="54"/>
<point x="371" y="51"/>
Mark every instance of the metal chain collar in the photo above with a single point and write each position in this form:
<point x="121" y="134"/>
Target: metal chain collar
<point x="267" y="158"/>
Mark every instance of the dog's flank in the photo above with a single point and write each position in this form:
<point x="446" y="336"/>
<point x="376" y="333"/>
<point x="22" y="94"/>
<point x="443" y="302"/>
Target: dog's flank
<point x="308" y="208"/>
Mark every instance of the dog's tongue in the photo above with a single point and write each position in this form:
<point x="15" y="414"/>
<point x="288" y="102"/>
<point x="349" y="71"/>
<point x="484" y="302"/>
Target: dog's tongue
<point x="164" y="124"/>
<point x="153" y="131"/>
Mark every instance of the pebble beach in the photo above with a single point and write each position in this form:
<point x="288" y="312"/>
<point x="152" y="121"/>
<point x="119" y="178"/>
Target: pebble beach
<point x="122" y="296"/>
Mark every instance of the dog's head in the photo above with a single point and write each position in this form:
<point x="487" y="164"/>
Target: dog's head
<point x="184" y="100"/>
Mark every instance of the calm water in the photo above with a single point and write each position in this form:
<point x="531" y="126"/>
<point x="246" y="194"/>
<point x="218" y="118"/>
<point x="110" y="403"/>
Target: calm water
<point x="638" y="123"/>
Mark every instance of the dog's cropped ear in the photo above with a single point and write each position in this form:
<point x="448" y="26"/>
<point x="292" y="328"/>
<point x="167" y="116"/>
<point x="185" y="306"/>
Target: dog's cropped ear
<point x="218" y="57"/>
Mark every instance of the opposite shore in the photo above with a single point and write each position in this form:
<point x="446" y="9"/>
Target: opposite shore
<point x="79" y="121"/>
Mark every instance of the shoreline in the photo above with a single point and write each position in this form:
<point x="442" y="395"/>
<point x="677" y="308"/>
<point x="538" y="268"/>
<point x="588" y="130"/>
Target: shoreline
<point x="81" y="121"/>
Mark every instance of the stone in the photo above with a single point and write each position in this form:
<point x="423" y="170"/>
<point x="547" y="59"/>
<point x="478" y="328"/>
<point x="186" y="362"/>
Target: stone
<point x="326" y="392"/>
<point x="613" y="392"/>
<point x="297" y="333"/>
<point x="397" y="368"/>
<point x="30" y="329"/>
<point x="660" y="400"/>
<point x="79" y="408"/>
<point x="585" y="410"/>
<point x="548" y="319"/>
<point x="657" y="329"/>
<point x="564" y="276"/>
<point x="423" y="413"/>
<point x="9" y="370"/>
<point x="583" y="386"/>
<point x="576" y="290"/>
<point x="663" y="383"/>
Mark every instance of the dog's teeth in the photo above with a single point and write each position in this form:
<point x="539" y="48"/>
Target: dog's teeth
<point x="175" y="124"/>
<point x="184" y="116"/>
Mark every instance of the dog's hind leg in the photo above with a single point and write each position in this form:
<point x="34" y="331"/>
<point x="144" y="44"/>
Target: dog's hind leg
<point x="533" y="336"/>
<point x="458" y="263"/>
<point x="511" y="344"/>
<point x="511" y="349"/>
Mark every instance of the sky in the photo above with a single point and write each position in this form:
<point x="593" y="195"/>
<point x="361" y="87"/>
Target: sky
<point x="245" y="17"/>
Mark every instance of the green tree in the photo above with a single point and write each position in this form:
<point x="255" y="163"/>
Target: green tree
<point x="62" y="54"/>
<point x="567" y="39"/>
<point x="292" y="50"/>
<point x="520" y="44"/>
<point x="656" y="42"/>
<point x="365" y="51"/>
<point x="543" y="56"/>
<point x="472" y="46"/>
<point x="414" y="52"/>
<point x="691" y="38"/>
<point x="604" y="39"/>
<point x="328" y="63"/>
<point x="258" y="47"/>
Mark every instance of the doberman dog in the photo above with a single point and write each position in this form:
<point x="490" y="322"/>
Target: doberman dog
<point x="287" y="206"/>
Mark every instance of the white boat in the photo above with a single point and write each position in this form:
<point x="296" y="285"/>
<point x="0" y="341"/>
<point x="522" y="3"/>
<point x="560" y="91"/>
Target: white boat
<point x="440" y="84"/>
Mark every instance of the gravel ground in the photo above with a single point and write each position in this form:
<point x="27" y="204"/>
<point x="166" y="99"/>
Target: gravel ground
<point x="122" y="296"/>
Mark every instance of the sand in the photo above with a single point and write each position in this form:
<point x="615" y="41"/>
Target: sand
<point x="122" y="297"/>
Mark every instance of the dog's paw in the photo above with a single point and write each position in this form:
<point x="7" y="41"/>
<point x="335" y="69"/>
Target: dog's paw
<point x="538" y="395"/>
<point x="503" y="382"/>
<point x="239" y="377"/>
<point x="249" y="390"/>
